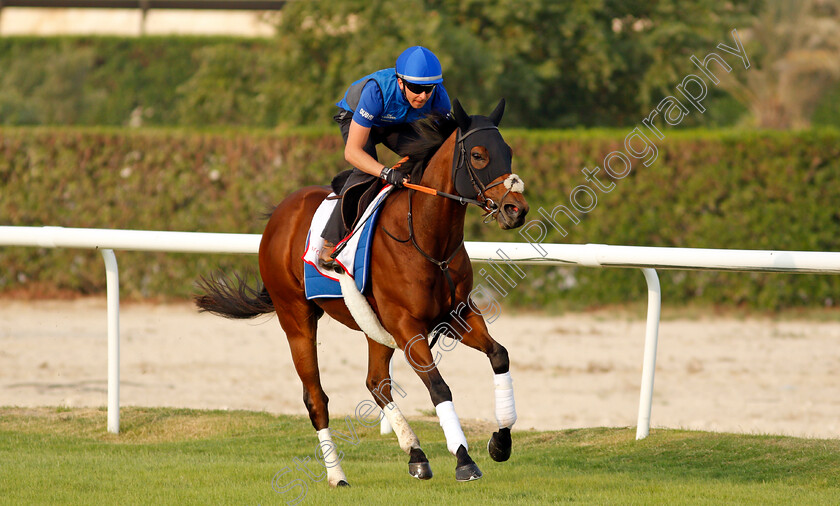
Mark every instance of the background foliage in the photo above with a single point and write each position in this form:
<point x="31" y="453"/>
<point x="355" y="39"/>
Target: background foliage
<point x="559" y="64"/>
<point x="729" y="189"/>
<point x="227" y="140"/>
<point x="127" y="81"/>
<point x="795" y="48"/>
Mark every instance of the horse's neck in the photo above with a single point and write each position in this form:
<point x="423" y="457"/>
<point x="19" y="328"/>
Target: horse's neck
<point x="438" y="173"/>
<point x="439" y="221"/>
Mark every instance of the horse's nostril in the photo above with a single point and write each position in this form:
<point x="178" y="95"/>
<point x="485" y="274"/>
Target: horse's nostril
<point x="511" y="209"/>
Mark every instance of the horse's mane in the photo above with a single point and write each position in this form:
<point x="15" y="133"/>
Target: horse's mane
<point x="432" y="131"/>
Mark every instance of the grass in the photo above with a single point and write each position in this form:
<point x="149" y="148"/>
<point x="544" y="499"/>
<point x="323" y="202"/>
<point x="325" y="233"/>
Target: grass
<point x="175" y="456"/>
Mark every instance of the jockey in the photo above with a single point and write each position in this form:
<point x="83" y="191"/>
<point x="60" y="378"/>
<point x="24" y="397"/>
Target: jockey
<point x="377" y="109"/>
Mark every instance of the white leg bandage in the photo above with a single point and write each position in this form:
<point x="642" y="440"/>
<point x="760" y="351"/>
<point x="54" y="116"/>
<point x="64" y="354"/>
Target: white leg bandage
<point x="330" y="457"/>
<point x="451" y="426"/>
<point x="505" y="405"/>
<point x="385" y="426"/>
<point x="405" y="435"/>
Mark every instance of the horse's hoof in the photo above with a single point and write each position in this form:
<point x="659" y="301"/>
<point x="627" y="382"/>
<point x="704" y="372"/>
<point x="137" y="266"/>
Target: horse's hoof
<point x="499" y="445"/>
<point x="420" y="470"/>
<point x="467" y="472"/>
<point x="342" y="483"/>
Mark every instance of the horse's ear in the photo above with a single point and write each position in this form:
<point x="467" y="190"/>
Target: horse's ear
<point x="461" y="116"/>
<point x="496" y="115"/>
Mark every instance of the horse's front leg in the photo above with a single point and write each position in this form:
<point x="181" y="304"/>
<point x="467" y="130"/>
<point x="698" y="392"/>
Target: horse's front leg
<point x="472" y="331"/>
<point x="380" y="385"/>
<point x="419" y="356"/>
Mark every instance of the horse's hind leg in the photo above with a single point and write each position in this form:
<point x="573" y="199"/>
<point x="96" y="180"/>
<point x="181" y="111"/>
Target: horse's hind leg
<point x="299" y="322"/>
<point x="476" y="336"/>
<point x="380" y="385"/>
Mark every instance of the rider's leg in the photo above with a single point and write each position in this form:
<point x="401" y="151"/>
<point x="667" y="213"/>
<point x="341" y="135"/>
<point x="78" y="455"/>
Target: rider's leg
<point x="336" y="227"/>
<point x="343" y="216"/>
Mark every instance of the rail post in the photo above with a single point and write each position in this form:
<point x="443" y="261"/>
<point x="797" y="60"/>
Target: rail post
<point x="649" y="363"/>
<point x="112" y="282"/>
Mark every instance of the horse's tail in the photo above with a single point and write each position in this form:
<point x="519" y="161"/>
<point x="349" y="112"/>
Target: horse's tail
<point x="232" y="298"/>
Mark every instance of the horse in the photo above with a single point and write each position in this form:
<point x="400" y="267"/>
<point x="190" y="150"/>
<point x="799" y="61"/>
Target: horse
<point x="420" y="283"/>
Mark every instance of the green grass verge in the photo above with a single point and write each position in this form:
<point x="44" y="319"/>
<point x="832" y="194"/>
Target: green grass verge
<point x="175" y="456"/>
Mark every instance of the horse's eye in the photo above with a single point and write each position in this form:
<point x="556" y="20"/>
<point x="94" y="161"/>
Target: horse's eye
<point x="479" y="157"/>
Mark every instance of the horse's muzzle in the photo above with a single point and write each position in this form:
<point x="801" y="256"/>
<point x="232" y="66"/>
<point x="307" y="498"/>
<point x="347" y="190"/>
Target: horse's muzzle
<point x="512" y="214"/>
<point x="509" y="206"/>
<point x="512" y="206"/>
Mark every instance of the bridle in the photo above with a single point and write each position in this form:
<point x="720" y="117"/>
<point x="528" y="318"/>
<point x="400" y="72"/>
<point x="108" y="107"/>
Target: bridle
<point x="460" y="162"/>
<point x="480" y="199"/>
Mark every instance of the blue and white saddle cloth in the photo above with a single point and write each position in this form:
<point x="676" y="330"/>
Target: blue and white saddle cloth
<point x="354" y="257"/>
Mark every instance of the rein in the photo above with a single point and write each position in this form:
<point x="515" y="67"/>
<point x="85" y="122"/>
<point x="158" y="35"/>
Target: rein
<point x="432" y="191"/>
<point x="486" y="204"/>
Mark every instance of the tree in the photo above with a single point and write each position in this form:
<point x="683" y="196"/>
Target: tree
<point x="324" y="46"/>
<point x="794" y="48"/>
<point x="559" y="64"/>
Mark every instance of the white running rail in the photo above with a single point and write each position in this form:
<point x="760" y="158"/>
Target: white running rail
<point x="648" y="259"/>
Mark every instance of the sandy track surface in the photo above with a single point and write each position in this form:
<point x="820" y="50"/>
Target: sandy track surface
<point x="574" y="370"/>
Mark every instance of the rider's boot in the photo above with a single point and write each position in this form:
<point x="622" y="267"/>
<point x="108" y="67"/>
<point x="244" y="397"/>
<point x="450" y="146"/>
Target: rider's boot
<point x="325" y="258"/>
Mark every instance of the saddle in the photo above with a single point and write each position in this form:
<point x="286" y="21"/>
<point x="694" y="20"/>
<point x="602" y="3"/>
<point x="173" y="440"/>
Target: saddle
<point x="362" y="191"/>
<point x="355" y="253"/>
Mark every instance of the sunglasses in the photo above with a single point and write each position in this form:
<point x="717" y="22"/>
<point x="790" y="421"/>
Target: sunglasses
<point x="419" y="88"/>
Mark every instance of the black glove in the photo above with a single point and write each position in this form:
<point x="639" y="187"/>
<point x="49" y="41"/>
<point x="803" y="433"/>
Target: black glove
<point x="393" y="176"/>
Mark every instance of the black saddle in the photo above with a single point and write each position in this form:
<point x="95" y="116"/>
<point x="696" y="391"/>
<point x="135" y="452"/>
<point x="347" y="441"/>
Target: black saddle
<point x="356" y="189"/>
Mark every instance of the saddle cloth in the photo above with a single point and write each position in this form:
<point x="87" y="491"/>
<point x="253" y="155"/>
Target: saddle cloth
<point x="354" y="257"/>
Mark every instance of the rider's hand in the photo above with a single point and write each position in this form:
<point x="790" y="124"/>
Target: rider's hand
<point x="393" y="176"/>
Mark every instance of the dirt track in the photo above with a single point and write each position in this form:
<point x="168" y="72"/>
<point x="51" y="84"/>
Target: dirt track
<point x="752" y="375"/>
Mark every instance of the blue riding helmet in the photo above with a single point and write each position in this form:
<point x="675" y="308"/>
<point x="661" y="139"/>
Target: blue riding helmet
<point x="420" y="66"/>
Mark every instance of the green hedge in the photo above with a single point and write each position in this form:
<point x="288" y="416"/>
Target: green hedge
<point x="758" y="190"/>
<point x="734" y="190"/>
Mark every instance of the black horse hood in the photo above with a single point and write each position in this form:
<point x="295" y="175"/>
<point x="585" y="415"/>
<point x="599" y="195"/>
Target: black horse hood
<point x="481" y="154"/>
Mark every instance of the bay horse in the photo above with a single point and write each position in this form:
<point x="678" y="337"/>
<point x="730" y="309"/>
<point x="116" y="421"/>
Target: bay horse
<point x="420" y="282"/>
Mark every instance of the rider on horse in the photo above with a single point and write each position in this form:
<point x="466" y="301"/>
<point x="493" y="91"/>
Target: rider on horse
<point x="377" y="109"/>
